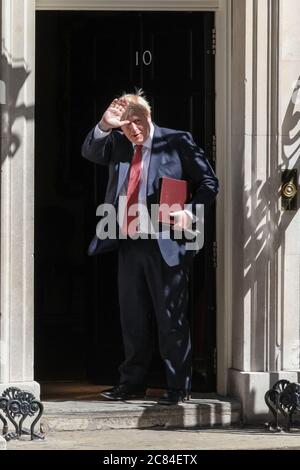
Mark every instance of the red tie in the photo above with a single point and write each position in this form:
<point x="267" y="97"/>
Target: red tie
<point x="133" y="190"/>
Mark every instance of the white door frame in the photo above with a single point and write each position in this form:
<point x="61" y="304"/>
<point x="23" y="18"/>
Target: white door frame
<point x="17" y="194"/>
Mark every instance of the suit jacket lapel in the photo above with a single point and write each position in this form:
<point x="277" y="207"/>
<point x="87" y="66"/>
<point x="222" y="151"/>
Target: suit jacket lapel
<point x="123" y="171"/>
<point x="123" y="156"/>
<point x="158" y="153"/>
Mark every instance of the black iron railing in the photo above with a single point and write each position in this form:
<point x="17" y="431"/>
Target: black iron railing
<point x="283" y="399"/>
<point x="15" y="406"/>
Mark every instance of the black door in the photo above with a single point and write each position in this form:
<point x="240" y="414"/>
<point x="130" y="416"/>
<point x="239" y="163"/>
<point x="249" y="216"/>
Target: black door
<point x="84" y="60"/>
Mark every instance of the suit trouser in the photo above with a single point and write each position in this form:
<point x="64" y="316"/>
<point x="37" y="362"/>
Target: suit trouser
<point x="148" y="285"/>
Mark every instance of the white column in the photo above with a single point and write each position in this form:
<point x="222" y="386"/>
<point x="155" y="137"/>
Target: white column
<point x="224" y="199"/>
<point x="289" y="157"/>
<point x="266" y="260"/>
<point x="17" y="192"/>
<point x="252" y="85"/>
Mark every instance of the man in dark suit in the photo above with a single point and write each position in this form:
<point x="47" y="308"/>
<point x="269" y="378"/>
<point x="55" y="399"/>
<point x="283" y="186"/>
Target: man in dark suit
<point x="153" y="271"/>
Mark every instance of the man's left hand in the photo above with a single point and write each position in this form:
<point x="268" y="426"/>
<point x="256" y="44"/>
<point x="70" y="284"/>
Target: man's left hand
<point x="182" y="220"/>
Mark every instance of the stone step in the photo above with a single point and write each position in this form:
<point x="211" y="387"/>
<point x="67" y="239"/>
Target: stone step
<point x="201" y="411"/>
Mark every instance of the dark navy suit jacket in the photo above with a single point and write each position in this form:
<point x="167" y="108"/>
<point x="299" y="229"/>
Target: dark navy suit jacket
<point x="175" y="155"/>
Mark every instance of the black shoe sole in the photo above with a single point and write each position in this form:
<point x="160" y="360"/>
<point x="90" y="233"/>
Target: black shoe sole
<point x="169" y="403"/>
<point x="128" y="397"/>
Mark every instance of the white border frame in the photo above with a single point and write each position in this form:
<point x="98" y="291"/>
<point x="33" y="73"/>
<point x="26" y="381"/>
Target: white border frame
<point x="222" y="10"/>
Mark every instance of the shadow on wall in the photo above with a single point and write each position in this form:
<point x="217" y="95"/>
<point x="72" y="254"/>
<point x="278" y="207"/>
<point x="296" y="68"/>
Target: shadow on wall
<point x="13" y="76"/>
<point x="266" y="224"/>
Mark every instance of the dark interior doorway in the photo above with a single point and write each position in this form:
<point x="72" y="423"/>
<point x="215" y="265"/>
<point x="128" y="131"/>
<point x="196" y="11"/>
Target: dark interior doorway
<point x="84" y="60"/>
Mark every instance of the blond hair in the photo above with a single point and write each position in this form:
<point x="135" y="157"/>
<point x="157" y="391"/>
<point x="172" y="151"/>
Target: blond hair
<point x="137" y="101"/>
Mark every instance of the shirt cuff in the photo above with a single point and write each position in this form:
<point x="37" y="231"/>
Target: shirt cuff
<point x="99" y="134"/>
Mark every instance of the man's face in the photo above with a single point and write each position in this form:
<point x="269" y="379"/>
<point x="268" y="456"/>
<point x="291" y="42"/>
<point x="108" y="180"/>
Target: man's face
<point x="137" y="131"/>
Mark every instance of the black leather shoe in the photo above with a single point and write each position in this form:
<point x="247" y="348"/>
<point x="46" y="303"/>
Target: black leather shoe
<point x="124" y="392"/>
<point x="173" y="397"/>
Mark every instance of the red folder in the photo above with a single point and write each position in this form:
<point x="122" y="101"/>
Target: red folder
<point x="172" y="192"/>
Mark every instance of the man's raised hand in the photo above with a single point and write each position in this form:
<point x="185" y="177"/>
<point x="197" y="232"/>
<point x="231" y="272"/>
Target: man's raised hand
<point x="112" y="117"/>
